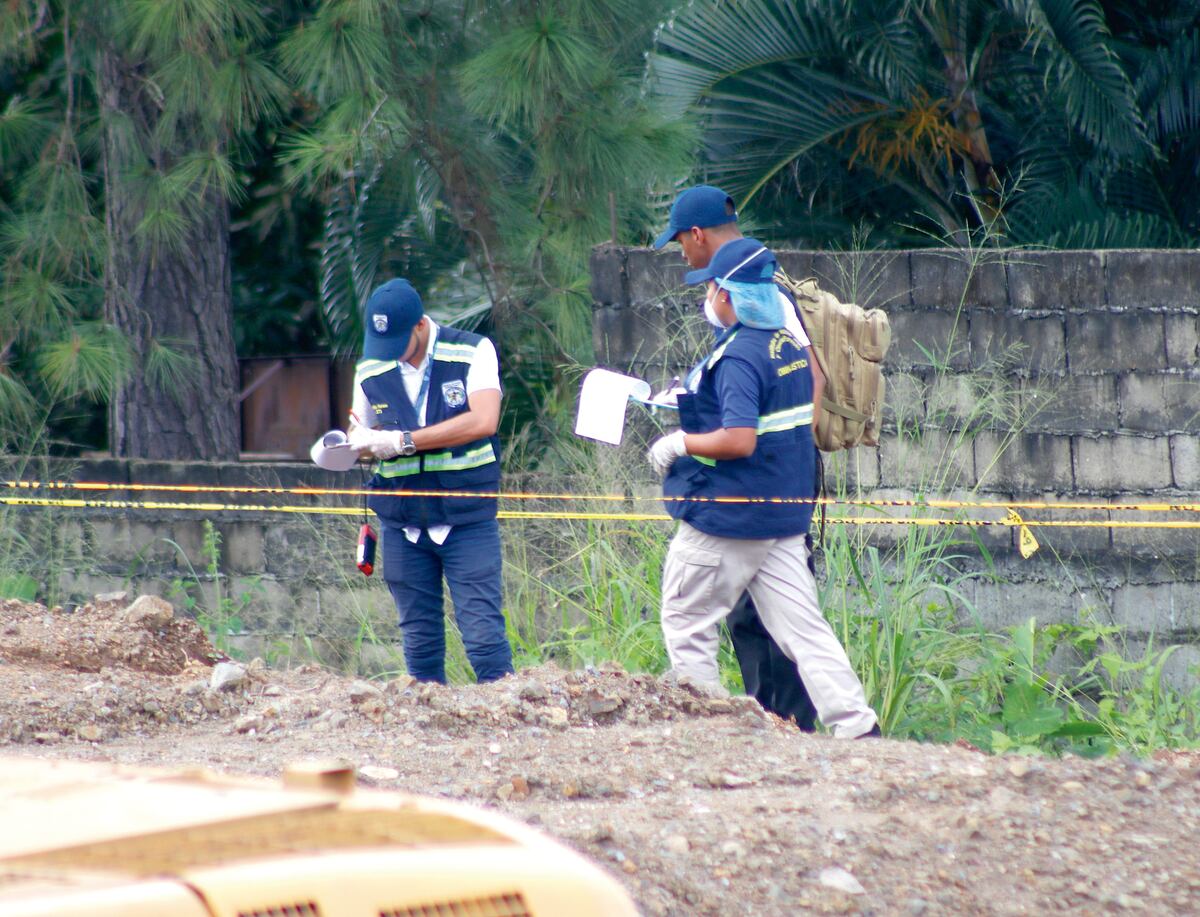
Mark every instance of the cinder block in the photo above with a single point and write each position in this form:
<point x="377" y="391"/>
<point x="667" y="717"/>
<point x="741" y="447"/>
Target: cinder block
<point x="951" y="403"/>
<point x="244" y="548"/>
<point x="108" y="471"/>
<point x="1163" y="609"/>
<point x="934" y="461"/>
<point x="80" y="586"/>
<point x="977" y="508"/>
<point x="295" y="552"/>
<point x="1183" y="341"/>
<point x="797" y="264"/>
<point x="147" y="544"/>
<point x="852" y="471"/>
<point x="1003" y="605"/>
<point x="958" y="278"/>
<point x="873" y="279"/>
<point x="1023" y="463"/>
<point x="609" y="280"/>
<point x="1077" y="534"/>
<point x="927" y="338"/>
<point x="145" y="472"/>
<point x="1185" y="462"/>
<point x="1139" y="538"/>
<point x="1100" y="342"/>
<point x="1031" y="343"/>
<point x="903" y="399"/>
<point x="1070" y="404"/>
<point x="1122" y="464"/>
<point x="1056" y="280"/>
<point x="1180" y="667"/>
<point x="651" y="274"/>
<point x="622" y="336"/>
<point x="1152" y="277"/>
<point x="1159" y="402"/>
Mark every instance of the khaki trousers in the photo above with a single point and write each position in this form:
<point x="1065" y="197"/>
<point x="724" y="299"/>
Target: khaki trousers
<point x="704" y="575"/>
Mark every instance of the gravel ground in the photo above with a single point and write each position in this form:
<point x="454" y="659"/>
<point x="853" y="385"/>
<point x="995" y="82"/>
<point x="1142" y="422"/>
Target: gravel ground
<point x="697" y="805"/>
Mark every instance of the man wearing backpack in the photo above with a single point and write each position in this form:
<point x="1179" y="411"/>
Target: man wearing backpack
<point x="746" y="419"/>
<point x="703" y="218"/>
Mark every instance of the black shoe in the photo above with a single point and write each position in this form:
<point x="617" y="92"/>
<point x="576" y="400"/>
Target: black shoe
<point x="875" y="733"/>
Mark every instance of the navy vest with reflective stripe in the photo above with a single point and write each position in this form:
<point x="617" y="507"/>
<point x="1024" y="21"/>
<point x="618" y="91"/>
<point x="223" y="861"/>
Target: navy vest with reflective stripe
<point x="783" y="462"/>
<point x="474" y="466"/>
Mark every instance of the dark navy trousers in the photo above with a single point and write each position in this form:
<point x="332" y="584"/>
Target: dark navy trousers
<point x="767" y="673"/>
<point x="470" y="563"/>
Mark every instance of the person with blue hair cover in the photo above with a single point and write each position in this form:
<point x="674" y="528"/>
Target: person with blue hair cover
<point x="703" y="219"/>
<point x="739" y="479"/>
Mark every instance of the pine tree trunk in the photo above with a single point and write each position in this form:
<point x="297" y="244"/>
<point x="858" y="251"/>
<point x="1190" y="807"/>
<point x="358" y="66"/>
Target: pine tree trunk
<point x="181" y="296"/>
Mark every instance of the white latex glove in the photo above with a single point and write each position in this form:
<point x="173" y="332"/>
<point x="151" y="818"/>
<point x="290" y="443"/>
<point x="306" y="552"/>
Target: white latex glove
<point x="665" y="450"/>
<point x="380" y="444"/>
<point x="670" y="395"/>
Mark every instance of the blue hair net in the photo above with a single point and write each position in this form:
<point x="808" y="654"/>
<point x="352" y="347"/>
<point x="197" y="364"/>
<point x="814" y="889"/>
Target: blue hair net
<point x="756" y="305"/>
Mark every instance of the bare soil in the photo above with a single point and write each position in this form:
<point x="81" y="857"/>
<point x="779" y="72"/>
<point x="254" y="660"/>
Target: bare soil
<point x="697" y="805"/>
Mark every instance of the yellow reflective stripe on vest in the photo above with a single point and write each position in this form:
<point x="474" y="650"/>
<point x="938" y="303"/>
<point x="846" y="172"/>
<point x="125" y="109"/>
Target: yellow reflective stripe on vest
<point x="446" y="461"/>
<point x="400" y="467"/>
<point x="720" y="351"/>
<point x="453" y="353"/>
<point x="367" y="369"/>
<point x="786" y="420"/>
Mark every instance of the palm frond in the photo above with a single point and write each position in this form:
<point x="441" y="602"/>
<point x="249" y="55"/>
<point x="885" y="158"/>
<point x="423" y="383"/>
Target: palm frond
<point x="1168" y="88"/>
<point x="1078" y="61"/>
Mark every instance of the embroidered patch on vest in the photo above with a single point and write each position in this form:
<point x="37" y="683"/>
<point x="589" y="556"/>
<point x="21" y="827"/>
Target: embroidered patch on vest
<point x="455" y="393"/>
<point x="380" y="322"/>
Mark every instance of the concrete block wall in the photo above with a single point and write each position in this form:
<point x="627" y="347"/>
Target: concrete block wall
<point x="289" y="578"/>
<point x="1051" y="377"/>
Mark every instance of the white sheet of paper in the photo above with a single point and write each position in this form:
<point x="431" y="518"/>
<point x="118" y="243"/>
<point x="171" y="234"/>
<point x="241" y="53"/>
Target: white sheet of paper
<point x="603" y="399"/>
<point x="332" y="452"/>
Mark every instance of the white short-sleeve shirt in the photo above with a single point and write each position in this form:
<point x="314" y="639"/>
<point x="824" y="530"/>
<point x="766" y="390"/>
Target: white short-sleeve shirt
<point x="482" y="374"/>
<point x="791" y="319"/>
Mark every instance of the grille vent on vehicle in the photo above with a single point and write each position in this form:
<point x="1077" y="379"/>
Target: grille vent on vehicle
<point x="299" y="909"/>
<point x="511" y="905"/>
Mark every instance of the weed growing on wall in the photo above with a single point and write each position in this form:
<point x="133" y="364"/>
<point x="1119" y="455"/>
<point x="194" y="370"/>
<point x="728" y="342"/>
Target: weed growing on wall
<point x="204" y="596"/>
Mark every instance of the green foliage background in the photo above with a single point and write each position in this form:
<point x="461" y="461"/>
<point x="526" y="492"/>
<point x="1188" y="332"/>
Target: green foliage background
<point x="482" y="149"/>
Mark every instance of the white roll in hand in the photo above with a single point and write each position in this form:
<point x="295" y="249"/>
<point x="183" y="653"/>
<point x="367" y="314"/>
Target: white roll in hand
<point x="333" y="452"/>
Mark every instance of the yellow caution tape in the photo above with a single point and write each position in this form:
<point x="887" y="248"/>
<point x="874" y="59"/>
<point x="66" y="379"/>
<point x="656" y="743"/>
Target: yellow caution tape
<point x="1011" y="520"/>
<point x="1026" y="543"/>
<point x="622" y="498"/>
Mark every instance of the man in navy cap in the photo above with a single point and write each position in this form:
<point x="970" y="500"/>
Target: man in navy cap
<point x="702" y="220"/>
<point x="427" y="406"/>
<point x="746" y="421"/>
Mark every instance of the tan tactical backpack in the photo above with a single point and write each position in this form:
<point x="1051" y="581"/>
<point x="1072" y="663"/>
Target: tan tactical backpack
<point x="849" y="343"/>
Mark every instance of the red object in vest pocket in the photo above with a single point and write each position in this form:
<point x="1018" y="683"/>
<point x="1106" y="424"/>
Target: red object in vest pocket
<point x="366" y="549"/>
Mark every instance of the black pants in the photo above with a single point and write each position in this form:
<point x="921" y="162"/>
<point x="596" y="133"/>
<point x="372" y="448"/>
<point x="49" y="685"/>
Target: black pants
<point x="769" y="676"/>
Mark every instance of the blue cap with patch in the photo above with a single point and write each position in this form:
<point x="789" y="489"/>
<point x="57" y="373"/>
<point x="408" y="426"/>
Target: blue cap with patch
<point x="738" y="261"/>
<point x="702" y="206"/>
<point x="389" y="317"/>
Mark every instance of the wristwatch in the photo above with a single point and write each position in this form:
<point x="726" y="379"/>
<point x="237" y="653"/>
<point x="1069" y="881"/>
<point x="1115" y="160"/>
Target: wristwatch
<point x="407" y="447"/>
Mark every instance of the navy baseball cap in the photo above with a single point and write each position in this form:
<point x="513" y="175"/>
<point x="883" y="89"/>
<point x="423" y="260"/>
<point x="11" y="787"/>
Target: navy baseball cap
<point x="702" y="206"/>
<point x="738" y="261"/>
<point x="389" y="317"/>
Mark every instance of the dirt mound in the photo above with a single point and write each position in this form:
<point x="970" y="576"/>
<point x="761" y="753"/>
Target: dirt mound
<point x="142" y="636"/>
<point x="699" y="805"/>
